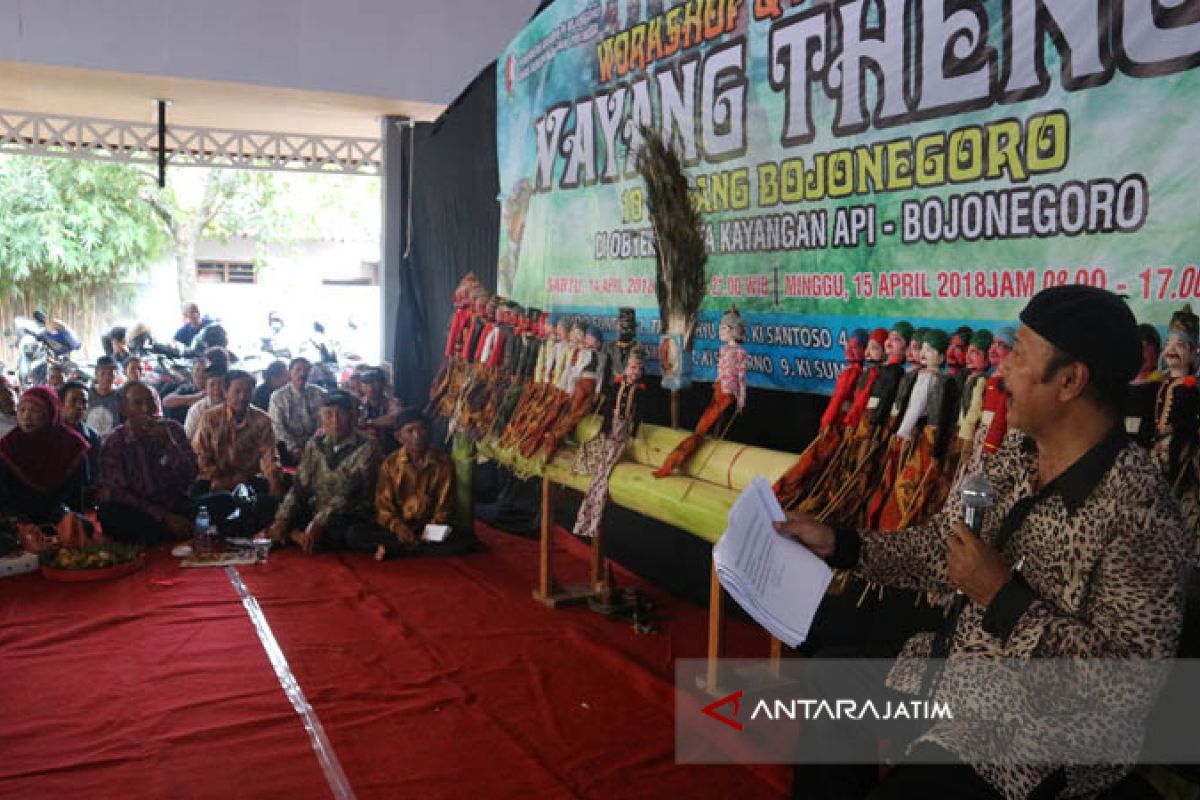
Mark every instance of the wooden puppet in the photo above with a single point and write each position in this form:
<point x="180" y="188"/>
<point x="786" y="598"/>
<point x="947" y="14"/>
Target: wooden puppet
<point x="729" y="390"/>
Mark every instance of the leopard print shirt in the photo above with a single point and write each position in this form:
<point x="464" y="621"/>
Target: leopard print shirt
<point x="1107" y="569"/>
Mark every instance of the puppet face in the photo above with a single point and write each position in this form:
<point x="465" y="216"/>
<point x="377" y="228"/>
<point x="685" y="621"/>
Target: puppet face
<point x="590" y="342"/>
<point x="956" y="353"/>
<point x="626" y="324"/>
<point x="634" y="370"/>
<point x="1149" y="357"/>
<point x="913" y="355"/>
<point x="577" y="334"/>
<point x="977" y="360"/>
<point x="854" y="350"/>
<point x="875" y="351"/>
<point x="1177" y="355"/>
<point x="998" y="352"/>
<point x="930" y="357"/>
<point x="480" y="304"/>
<point x="561" y="331"/>
<point x="895" y="347"/>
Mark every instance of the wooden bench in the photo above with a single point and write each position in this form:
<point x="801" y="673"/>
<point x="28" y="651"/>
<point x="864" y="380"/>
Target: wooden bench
<point x="695" y="499"/>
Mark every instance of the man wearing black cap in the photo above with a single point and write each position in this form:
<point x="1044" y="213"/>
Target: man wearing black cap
<point x="1081" y="556"/>
<point x="415" y="489"/>
<point x="335" y="484"/>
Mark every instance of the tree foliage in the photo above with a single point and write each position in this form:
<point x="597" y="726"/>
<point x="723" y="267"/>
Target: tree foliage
<point x="69" y="228"/>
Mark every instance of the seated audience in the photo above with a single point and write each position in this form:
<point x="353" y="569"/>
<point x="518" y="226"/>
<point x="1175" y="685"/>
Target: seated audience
<point x="379" y="410"/>
<point x="74" y="396"/>
<point x="177" y="402"/>
<point x="295" y="409"/>
<point x="8" y="407"/>
<point x="214" y="395"/>
<point x="41" y="461"/>
<point x="148" y="467"/>
<point x="335" y="485"/>
<point x="56" y="376"/>
<point x="416" y="488"/>
<point x="134" y="369"/>
<point x="274" y="377"/>
<point x="104" y="404"/>
<point x="235" y="445"/>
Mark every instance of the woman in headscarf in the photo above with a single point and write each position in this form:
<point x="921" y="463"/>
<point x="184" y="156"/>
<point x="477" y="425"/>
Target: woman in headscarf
<point x="41" y="460"/>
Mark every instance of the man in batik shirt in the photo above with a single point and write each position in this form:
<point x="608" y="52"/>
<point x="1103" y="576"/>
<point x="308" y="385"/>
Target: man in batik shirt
<point x="335" y="485"/>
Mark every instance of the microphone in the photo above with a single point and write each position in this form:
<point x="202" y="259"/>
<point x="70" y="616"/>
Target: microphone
<point x="977" y="497"/>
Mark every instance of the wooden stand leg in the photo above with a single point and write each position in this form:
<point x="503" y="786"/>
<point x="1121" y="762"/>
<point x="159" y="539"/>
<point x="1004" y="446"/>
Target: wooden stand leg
<point x="776" y="655"/>
<point x="547" y="592"/>
<point x="716" y="632"/>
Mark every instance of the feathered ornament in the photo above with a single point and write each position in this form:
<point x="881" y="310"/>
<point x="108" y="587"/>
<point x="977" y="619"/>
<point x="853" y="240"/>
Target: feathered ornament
<point x="680" y="278"/>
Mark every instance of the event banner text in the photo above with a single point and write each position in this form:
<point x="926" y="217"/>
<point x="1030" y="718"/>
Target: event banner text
<point x="854" y="163"/>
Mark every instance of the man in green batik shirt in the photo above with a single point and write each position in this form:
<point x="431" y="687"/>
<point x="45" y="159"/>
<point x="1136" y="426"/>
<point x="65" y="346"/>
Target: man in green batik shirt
<point x="335" y="484"/>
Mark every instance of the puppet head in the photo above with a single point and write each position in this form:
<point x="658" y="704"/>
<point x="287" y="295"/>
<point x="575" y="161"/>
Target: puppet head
<point x="592" y="338"/>
<point x="977" y="351"/>
<point x="462" y="294"/>
<point x="635" y="365"/>
<point x="479" y="301"/>
<point x="1151" y="348"/>
<point x="856" y="346"/>
<point x="626" y="324"/>
<point x="578" y="331"/>
<point x="733" y="328"/>
<point x="933" y="348"/>
<point x="1002" y="345"/>
<point x="913" y="353"/>
<point x="897" y="342"/>
<point x="956" y="352"/>
<point x="876" y="345"/>
<point x="1179" y="351"/>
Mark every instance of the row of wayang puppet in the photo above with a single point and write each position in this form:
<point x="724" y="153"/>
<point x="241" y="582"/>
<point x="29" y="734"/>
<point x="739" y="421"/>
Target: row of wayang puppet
<point x="522" y="379"/>
<point x="914" y="411"/>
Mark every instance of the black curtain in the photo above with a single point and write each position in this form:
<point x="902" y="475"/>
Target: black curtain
<point x="455" y="228"/>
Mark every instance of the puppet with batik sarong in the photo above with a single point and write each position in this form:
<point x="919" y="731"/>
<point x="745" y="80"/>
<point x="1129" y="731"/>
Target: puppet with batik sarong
<point x="452" y="354"/>
<point x="927" y="401"/>
<point x="802" y="478"/>
<point x="618" y="350"/>
<point x="868" y="434"/>
<point x="729" y="391"/>
<point x="1177" y="414"/>
<point x="600" y="454"/>
<point x="582" y="386"/>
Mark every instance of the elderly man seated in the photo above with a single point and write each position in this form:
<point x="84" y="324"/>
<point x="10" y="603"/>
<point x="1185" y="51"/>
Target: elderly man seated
<point x="415" y="489"/>
<point x="235" y="445"/>
<point x="294" y="409"/>
<point x="334" y="489"/>
<point x="149" y="466"/>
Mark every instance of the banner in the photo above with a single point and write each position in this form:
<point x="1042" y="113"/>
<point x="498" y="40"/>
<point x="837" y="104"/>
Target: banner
<point x="856" y="163"/>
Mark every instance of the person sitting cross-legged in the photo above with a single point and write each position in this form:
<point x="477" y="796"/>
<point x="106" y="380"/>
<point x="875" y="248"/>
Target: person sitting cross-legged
<point x="294" y="410"/>
<point x="235" y="446"/>
<point x="334" y="488"/>
<point x="214" y="395"/>
<point x="148" y="466"/>
<point x="41" y="461"/>
<point x="416" y="488"/>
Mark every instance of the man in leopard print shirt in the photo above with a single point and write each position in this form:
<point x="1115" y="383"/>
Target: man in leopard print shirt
<point x="1082" y="556"/>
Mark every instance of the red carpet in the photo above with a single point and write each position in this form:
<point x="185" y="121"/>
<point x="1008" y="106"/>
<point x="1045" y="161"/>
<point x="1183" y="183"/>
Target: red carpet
<point x="432" y="678"/>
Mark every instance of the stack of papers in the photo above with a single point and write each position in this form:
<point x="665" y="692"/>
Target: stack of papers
<point x="777" y="580"/>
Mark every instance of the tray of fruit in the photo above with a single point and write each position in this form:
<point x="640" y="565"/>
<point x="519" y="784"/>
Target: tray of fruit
<point x="92" y="562"/>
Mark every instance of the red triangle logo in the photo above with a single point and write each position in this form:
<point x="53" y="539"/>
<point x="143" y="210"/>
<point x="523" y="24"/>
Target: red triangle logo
<point x="710" y="710"/>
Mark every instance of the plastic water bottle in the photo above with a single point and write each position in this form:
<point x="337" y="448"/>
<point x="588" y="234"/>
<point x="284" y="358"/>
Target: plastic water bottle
<point x="203" y="542"/>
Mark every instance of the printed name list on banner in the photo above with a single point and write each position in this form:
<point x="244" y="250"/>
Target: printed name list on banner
<point x="855" y="163"/>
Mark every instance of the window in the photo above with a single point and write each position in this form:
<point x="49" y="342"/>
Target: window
<point x="226" y="272"/>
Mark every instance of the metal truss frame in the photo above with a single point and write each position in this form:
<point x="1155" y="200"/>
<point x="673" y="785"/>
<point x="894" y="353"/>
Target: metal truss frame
<point x="61" y="136"/>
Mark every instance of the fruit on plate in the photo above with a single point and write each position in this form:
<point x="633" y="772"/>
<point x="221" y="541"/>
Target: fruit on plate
<point x="91" y="556"/>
